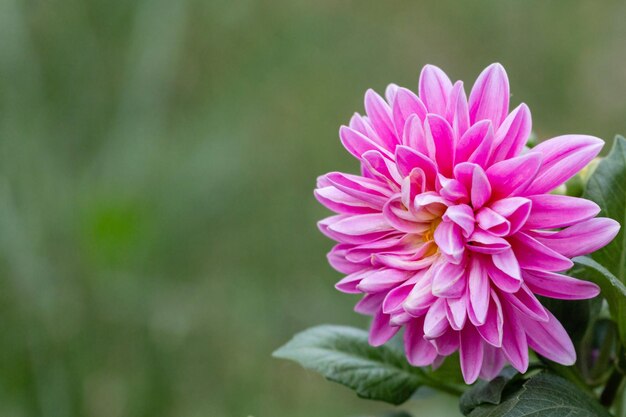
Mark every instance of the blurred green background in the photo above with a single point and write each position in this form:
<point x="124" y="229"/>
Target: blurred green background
<point x="157" y="160"/>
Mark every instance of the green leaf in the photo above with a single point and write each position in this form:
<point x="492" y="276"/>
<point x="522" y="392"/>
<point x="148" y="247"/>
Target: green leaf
<point x="342" y="354"/>
<point x="543" y="395"/>
<point x="612" y="289"/>
<point x="607" y="187"/>
<point x="485" y="392"/>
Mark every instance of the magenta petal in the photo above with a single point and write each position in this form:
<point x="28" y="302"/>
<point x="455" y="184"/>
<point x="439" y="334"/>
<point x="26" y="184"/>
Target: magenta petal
<point x="394" y="298"/>
<point x="582" y="238"/>
<point x="337" y="259"/>
<point x="532" y="254"/>
<point x="406" y="104"/>
<point x="550" y="339"/>
<point x="514" y="342"/>
<point x="484" y="242"/>
<point x="563" y="157"/>
<point x="513" y="134"/>
<point x="434" y="89"/>
<point x="340" y="202"/>
<point x="413" y="135"/>
<point x="382" y="168"/>
<point x="440" y="142"/>
<point x="379" y="114"/>
<point x="492" y="222"/>
<point x="489" y="98"/>
<point x="349" y="283"/>
<point x="361" y="224"/>
<point x="471" y="140"/>
<point x="400" y="218"/>
<point x="419" y="351"/>
<point x="463" y="215"/>
<point x="449" y="280"/>
<point x="513" y="176"/>
<point x="381" y="331"/>
<point x="563" y="287"/>
<point x="457" y="112"/>
<point x="473" y="177"/>
<point x="357" y="144"/>
<point x="457" y="312"/>
<point x="471" y="354"/>
<point x="420" y="298"/>
<point x="436" y="320"/>
<point x="478" y="288"/>
<point x="447" y="343"/>
<point x="504" y="278"/>
<point x="449" y="238"/>
<point x="372" y="192"/>
<point x="507" y="262"/>
<point x="552" y="211"/>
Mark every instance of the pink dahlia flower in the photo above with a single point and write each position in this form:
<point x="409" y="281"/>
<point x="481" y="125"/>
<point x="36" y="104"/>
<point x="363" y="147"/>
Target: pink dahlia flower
<point x="450" y="231"/>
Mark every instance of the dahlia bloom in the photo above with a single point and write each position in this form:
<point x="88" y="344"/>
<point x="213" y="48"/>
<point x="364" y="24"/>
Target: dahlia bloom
<point x="450" y="230"/>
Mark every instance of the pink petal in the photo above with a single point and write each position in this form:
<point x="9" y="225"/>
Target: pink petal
<point x="492" y="222"/>
<point x="512" y="176"/>
<point x="349" y="283"/>
<point x="492" y="330"/>
<point x="450" y="240"/>
<point x="394" y="299"/>
<point x="340" y="202"/>
<point x="513" y="134"/>
<point x="474" y="178"/>
<point x="379" y="114"/>
<point x="413" y="135"/>
<point x="449" y="280"/>
<point x="515" y="209"/>
<point x="553" y="211"/>
<point x="370" y="304"/>
<point x="434" y="89"/>
<point x="406" y="104"/>
<point x="380" y="330"/>
<point x="362" y="224"/>
<point x="400" y="218"/>
<point x="372" y="192"/>
<point x="452" y="190"/>
<point x="532" y="254"/>
<point x="475" y="143"/>
<point x="526" y="303"/>
<point x="582" y="238"/>
<point x="447" y="343"/>
<point x="514" y="342"/>
<point x="436" y="320"/>
<point x="419" y="351"/>
<point x="420" y="298"/>
<point x="478" y="288"/>
<point x="484" y="242"/>
<point x="440" y="142"/>
<point x="493" y="362"/>
<point x="336" y="259"/>
<point x="457" y="312"/>
<point x="390" y="93"/>
<point x="563" y="287"/>
<point x="505" y="277"/>
<point x="357" y="144"/>
<point x="408" y="159"/>
<point x="489" y="98"/>
<point x="462" y="215"/>
<point x="550" y="339"/>
<point x="382" y="280"/>
<point x="563" y="157"/>
<point x="457" y="113"/>
<point x="382" y="168"/>
<point x="471" y="354"/>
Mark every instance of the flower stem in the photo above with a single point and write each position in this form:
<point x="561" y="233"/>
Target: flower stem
<point x="611" y="388"/>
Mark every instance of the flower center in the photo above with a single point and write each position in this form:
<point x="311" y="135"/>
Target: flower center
<point x="429" y="235"/>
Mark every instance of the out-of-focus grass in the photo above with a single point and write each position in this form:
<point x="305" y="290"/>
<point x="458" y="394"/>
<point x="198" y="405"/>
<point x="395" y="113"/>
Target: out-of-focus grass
<point x="157" y="226"/>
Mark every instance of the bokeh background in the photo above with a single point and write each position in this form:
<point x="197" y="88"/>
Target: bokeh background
<point x="157" y="160"/>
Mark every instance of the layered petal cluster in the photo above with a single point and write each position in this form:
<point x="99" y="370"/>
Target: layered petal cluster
<point x="450" y="231"/>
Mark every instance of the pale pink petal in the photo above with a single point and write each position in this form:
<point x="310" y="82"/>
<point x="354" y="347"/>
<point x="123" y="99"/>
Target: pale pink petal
<point x="370" y="304"/>
<point x="504" y="278"/>
<point x="434" y="89"/>
<point x="512" y="176"/>
<point x="474" y="178"/>
<point x="381" y="331"/>
<point x="563" y="287"/>
<point x="512" y="134"/>
<point x="390" y="93"/>
<point x="419" y="351"/>
<point x="362" y="224"/>
<point x="582" y="238"/>
<point x="484" y="242"/>
<point x="336" y="259"/>
<point x="532" y="254"/>
<point x="420" y="298"/>
<point x="367" y="190"/>
<point x="471" y="140"/>
<point x="406" y="104"/>
<point x="550" y="339"/>
<point x="400" y="218"/>
<point x="526" y="303"/>
<point x="447" y="344"/>
<point x="383" y="169"/>
<point x="413" y="135"/>
<point x="379" y="114"/>
<point x="456" y="312"/>
<point x="452" y="190"/>
<point x="408" y="159"/>
<point x="340" y="202"/>
<point x="449" y="280"/>
<point x="471" y="354"/>
<point x="440" y="142"/>
<point x="493" y="362"/>
<point x="563" y="157"/>
<point x="552" y="211"/>
<point x="349" y="283"/>
<point x="492" y="330"/>
<point x="489" y="98"/>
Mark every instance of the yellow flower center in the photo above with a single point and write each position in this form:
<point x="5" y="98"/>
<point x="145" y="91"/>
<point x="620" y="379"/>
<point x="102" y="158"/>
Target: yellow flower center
<point x="429" y="235"/>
